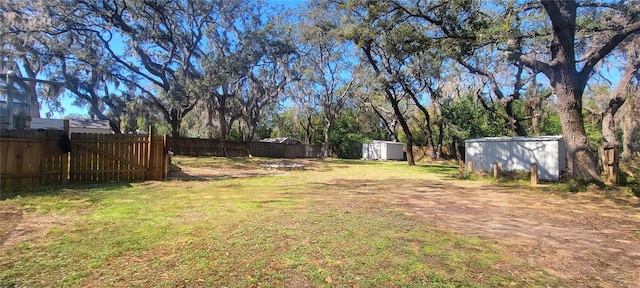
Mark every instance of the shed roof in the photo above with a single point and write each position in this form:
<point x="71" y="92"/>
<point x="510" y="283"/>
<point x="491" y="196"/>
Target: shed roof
<point x="86" y="123"/>
<point x="387" y="142"/>
<point x="516" y="139"/>
<point x="45" y="123"/>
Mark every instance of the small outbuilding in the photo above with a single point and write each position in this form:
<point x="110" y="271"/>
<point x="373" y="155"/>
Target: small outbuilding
<point x="383" y="150"/>
<point x="518" y="153"/>
<point x="75" y="125"/>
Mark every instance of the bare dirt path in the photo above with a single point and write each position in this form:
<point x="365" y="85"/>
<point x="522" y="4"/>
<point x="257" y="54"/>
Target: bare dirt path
<point x="586" y="238"/>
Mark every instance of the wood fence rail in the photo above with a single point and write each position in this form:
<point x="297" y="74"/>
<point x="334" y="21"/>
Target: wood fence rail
<point x="39" y="157"/>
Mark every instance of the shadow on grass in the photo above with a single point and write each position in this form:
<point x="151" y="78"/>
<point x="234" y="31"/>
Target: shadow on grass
<point x="439" y="168"/>
<point x="13" y="192"/>
<point x="183" y="176"/>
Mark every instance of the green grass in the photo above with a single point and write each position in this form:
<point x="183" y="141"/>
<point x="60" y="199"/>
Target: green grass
<point x="294" y="229"/>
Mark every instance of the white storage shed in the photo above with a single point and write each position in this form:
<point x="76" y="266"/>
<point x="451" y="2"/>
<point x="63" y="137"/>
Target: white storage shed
<point x="518" y="153"/>
<point x="383" y="150"/>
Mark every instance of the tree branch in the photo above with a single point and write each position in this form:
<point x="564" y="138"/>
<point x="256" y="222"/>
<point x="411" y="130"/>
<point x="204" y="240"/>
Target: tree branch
<point x="606" y="48"/>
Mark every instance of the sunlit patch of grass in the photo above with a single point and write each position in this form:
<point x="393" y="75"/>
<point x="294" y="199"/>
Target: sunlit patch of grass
<point x="262" y="231"/>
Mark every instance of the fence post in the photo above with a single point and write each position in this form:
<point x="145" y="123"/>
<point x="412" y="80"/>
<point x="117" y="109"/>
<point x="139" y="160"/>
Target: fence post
<point x="469" y="166"/>
<point x="497" y="167"/>
<point x="150" y="152"/>
<point x="610" y="163"/>
<point x="65" y="157"/>
<point x="534" y="174"/>
<point x="43" y="158"/>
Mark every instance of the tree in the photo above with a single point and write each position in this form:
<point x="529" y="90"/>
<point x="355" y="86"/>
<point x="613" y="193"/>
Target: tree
<point x="372" y="100"/>
<point x="568" y="73"/>
<point x="623" y="91"/>
<point x="269" y="77"/>
<point x="236" y="45"/>
<point x="31" y="37"/>
<point x="347" y="137"/>
<point x="326" y="67"/>
<point x="397" y="39"/>
<point x="537" y="106"/>
<point x="162" y="40"/>
<point x="306" y="115"/>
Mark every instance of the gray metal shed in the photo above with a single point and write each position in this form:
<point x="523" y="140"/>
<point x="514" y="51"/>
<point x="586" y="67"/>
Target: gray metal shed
<point x="383" y="150"/>
<point x="518" y="153"/>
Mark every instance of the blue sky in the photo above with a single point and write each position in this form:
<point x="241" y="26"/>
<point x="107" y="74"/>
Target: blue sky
<point x="67" y="99"/>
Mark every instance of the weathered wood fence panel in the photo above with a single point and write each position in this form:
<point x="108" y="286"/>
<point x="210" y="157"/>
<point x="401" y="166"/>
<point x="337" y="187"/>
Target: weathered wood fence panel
<point x="215" y="147"/>
<point x="106" y="157"/>
<point x="272" y="150"/>
<point x="206" y="147"/>
<point x="31" y="157"/>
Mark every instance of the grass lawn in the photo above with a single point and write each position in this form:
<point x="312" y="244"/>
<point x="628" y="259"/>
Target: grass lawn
<point x="293" y="229"/>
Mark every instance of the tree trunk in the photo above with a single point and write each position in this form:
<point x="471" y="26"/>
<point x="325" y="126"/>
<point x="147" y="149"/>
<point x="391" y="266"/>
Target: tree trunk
<point x="396" y="110"/>
<point x="569" y="86"/>
<point x="516" y="126"/>
<point x="439" y="121"/>
<point x="222" y="122"/>
<point x="389" y="131"/>
<point x="34" y="108"/>
<point x="407" y="132"/>
<point x="608" y="122"/>
<point x="580" y="161"/>
<point x="454" y="148"/>
<point x="630" y="127"/>
<point x="327" y="128"/>
<point x="175" y="123"/>
<point x="434" y="154"/>
<point x="427" y="119"/>
<point x="440" y="139"/>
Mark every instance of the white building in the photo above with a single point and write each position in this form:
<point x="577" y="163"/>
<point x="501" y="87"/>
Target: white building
<point x="383" y="150"/>
<point x="75" y="126"/>
<point x="518" y="153"/>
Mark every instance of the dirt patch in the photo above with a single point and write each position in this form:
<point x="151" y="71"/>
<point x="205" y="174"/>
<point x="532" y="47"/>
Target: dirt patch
<point x="10" y="216"/>
<point x="586" y="238"/>
<point x="256" y="169"/>
<point x="17" y="226"/>
<point x="204" y="174"/>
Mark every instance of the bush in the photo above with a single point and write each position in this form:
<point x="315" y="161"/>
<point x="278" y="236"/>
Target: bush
<point x="348" y="146"/>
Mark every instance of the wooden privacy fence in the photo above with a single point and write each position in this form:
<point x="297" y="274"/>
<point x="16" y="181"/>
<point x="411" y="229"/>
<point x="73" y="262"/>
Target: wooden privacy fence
<point x="112" y="157"/>
<point x="206" y="147"/>
<point x="215" y="147"/>
<point x="35" y="157"/>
